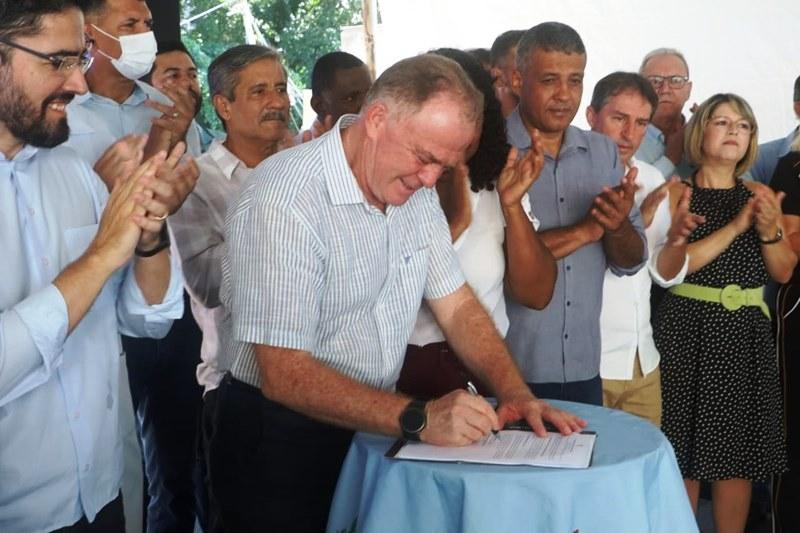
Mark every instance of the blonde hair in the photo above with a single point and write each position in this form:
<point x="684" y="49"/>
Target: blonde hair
<point x="695" y="130"/>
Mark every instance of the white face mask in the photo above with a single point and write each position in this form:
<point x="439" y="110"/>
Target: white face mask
<point x="138" y="53"/>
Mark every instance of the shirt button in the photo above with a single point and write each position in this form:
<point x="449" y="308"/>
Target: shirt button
<point x="87" y="467"/>
<point x="45" y="262"/>
<point x="569" y="303"/>
<point x="31" y="211"/>
<point x="569" y="267"/>
<point x="566" y="336"/>
<point x="561" y="199"/>
<point x="77" y="415"/>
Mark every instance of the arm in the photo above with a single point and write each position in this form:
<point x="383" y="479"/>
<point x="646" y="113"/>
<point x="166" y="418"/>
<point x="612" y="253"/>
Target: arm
<point x="33" y="331"/>
<point x="672" y="258"/>
<point x="623" y="245"/>
<point x="705" y="250"/>
<point x="779" y="257"/>
<point x="471" y="333"/>
<point x="530" y="274"/>
<point x="563" y="241"/>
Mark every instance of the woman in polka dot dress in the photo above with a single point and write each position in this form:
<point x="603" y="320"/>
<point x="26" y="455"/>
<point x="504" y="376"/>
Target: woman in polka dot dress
<point x="721" y="395"/>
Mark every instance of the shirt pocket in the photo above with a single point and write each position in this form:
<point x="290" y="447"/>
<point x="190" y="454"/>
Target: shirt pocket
<point x="77" y="240"/>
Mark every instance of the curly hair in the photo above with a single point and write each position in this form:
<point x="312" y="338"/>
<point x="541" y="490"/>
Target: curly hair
<point x="490" y="157"/>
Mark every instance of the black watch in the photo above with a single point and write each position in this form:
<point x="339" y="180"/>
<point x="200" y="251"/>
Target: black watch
<point x="163" y="242"/>
<point x="413" y="420"/>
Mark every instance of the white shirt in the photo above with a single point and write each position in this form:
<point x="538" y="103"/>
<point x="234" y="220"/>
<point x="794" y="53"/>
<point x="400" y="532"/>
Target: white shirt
<point x="198" y="228"/>
<point x="480" y="254"/>
<point x="625" y="315"/>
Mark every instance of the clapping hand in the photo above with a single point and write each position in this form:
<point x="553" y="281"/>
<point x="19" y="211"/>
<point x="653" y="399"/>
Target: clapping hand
<point x="683" y="221"/>
<point x="519" y="174"/>
<point x="612" y="206"/>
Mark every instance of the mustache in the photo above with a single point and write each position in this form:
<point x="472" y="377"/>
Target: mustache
<point x="65" y="96"/>
<point x="273" y="114"/>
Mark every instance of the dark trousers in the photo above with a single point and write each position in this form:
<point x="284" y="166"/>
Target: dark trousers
<point x="589" y="391"/>
<point x="110" y="519"/>
<point x="270" y="468"/>
<point x="167" y="401"/>
<point x="786" y="487"/>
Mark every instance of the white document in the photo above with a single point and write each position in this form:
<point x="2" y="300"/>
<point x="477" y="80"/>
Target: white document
<point x="511" y="447"/>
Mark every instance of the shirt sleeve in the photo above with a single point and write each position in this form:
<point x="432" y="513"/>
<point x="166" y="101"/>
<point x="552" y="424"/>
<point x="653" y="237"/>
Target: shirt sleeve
<point x="201" y="244"/>
<point x="136" y="317"/>
<point x="444" y="271"/>
<point x="32" y="336"/>
<point x="277" y="277"/>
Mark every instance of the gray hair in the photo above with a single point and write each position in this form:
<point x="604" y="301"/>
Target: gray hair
<point x="413" y="81"/>
<point x="223" y="72"/>
<point x="548" y="37"/>
<point x="664" y="52"/>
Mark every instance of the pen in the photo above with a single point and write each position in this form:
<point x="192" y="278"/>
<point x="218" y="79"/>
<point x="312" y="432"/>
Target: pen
<point x="474" y="391"/>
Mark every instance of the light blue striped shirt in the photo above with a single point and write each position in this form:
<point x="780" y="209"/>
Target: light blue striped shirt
<point x="60" y="452"/>
<point x="313" y="267"/>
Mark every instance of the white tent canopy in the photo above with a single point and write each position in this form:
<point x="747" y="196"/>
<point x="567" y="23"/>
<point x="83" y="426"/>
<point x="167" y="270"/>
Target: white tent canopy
<point x="741" y="46"/>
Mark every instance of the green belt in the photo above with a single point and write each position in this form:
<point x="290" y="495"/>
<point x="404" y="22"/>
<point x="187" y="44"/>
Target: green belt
<point x="731" y="297"/>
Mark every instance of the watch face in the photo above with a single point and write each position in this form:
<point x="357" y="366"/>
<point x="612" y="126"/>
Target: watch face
<point x="413" y="420"/>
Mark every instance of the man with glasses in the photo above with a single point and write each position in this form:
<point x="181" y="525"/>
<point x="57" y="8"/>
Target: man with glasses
<point x="662" y="147"/>
<point x="80" y="266"/>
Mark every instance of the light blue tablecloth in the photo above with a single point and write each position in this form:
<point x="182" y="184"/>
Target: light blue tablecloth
<point x="633" y="486"/>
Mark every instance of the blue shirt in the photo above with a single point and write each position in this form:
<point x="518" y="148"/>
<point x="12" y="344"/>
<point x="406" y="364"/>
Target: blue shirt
<point x="97" y="122"/>
<point x="653" y="150"/>
<point x="768" y="155"/>
<point x="60" y="452"/>
<point x="561" y="343"/>
<point x="313" y="266"/>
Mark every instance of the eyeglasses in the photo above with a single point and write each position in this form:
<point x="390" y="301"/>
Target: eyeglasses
<point x="739" y="126"/>
<point x="674" y="82"/>
<point x="62" y="63"/>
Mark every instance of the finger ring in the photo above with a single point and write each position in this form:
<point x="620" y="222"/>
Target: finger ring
<point x="176" y="115"/>
<point x="162" y="217"/>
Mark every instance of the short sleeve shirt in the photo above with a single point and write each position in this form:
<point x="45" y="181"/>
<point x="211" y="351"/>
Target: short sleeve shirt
<point x="312" y="266"/>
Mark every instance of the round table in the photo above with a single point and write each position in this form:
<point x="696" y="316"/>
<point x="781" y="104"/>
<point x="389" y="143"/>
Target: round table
<point x="632" y="486"/>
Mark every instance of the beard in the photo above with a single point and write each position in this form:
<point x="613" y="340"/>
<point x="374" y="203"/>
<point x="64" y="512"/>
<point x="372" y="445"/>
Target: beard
<point x="24" y="121"/>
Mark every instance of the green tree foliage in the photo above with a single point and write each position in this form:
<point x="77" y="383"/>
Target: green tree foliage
<point x="302" y="29"/>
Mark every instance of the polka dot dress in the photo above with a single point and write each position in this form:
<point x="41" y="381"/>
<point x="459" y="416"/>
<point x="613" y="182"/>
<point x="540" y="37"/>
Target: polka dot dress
<point x="722" y="408"/>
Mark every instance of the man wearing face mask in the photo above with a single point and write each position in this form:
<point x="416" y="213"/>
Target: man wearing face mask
<point x="117" y="107"/>
<point x="118" y="104"/>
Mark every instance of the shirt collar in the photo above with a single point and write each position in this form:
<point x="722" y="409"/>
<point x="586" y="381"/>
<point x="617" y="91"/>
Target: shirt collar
<point x="519" y="137"/>
<point x="137" y="97"/>
<point x="339" y="178"/>
<point x="224" y="158"/>
<point x="786" y="145"/>
<point x="27" y="152"/>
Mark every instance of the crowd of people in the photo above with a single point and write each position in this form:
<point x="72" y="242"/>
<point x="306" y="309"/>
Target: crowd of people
<point x="194" y="323"/>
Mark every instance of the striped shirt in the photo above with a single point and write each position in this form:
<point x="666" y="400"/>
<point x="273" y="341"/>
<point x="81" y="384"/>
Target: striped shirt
<point x="312" y="266"/>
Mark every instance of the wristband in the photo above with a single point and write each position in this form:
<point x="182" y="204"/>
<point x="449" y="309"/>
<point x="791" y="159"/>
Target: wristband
<point x="163" y="242"/>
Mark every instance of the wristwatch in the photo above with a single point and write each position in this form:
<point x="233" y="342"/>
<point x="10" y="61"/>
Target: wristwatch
<point x="777" y="238"/>
<point x="413" y="420"/>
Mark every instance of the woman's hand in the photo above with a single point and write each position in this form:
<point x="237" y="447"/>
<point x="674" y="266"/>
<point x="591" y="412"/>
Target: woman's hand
<point x="767" y="211"/>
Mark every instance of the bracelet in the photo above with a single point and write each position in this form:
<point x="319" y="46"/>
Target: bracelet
<point x="777" y="238"/>
<point x="163" y="242"/>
